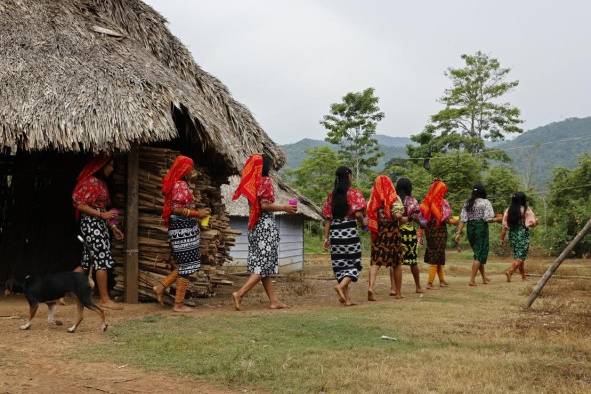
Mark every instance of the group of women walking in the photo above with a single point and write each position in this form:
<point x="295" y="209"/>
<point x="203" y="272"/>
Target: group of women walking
<point x="396" y="221"/>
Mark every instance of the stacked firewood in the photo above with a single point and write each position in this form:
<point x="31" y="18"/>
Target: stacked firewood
<point x="155" y="260"/>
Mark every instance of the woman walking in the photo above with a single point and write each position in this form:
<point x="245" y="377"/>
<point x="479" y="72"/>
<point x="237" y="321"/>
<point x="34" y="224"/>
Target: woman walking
<point x="408" y="230"/>
<point x="476" y="213"/>
<point x="91" y="200"/>
<point x="263" y="233"/>
<point x="518" y="219"/>
<point x="180" y="216"/>
<point x="384" y="214"/>
<point x="343" y="209"/>
<point x="436" y="213"/>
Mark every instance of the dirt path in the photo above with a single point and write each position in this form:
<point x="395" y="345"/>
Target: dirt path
<point x="36" y="361"/>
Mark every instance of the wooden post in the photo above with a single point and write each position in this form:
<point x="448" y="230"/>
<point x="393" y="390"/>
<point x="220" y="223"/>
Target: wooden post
<point x="131" y="228"/>
<point x="554" y="266"/>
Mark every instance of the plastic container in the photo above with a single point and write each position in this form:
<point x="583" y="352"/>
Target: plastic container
<point x="204" y="222"/>
<point x="293" y="202"/>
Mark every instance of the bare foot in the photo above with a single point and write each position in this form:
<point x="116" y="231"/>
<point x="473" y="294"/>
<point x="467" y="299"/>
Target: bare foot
<point x="371" y="295"/>
<point x="430" y="287"/>
<point x="392" y="293"/>
<point x="350" y="303"/>
<point x="159" y="291"/>
<point x="486" y="281"/>
<point x="419" y="290"/>
<point x="111" y="305"/>
<point x="524" y="278"/>
<point x="278" y="305"/>
<point x="398" y="296"/>
<point x="443" y="284"/>
<point x="340" y="294"/>
<point x="472" y="284"/>
<point x="508" y="274"/>
<point x="237" y="300"/>
<point x="182" y="308"/>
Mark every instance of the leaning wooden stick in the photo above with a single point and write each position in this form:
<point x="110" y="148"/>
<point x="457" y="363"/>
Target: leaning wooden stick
<point x="554" y="266"/>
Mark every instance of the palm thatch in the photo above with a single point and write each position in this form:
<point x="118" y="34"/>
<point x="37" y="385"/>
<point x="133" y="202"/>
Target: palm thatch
<point x="102" y="75"/>
<point x="283" y="193"/>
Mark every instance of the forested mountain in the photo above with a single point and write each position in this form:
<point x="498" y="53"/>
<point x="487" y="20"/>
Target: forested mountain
<point x="534" y="153"/>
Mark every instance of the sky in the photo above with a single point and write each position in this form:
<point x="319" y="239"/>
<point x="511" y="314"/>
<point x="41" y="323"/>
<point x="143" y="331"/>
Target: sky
<point x="287" y="61"/>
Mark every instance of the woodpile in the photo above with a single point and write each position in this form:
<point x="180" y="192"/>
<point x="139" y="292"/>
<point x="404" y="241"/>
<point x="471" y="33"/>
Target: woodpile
<point x="155" y="260"/>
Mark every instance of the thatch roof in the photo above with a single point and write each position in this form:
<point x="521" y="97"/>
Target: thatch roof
<point x="283" y="193"/>
<point x="101" y="75"/>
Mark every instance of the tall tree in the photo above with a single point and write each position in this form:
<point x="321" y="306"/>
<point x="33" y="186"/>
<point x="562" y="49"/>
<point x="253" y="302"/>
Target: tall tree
<point x="351" y="124"/>
<point x="315" y="175"/>
<point x="473" y="112"/>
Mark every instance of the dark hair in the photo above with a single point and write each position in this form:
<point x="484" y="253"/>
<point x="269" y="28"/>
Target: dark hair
<point x="267" y="162"/>
<point x="477" y="192"/>
<point x="100" y="174"/>
<point x="514" y="215"/>
<point x="403" y="187"/>
<point x="340" y="207"/>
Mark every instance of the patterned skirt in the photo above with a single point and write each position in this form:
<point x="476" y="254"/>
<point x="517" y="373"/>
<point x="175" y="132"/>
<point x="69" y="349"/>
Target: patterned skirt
<point x="183" y="234"/>
<point x="409" y="245"/>
<point x="478" y="236"/>
<point x="263" y="247"/>
<point x="436" y="237"/>
<point x="386" y="250"/>
<point x="519" y="241"/>
<point x="345" y="249"/>
<point x="97" y="249"/>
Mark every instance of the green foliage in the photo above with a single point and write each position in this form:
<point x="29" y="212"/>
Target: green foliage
<point x="570" y="206"/>
<point x="351" y="124"/>
<point x="315" y="176"/>
<point x="472" y="113"/>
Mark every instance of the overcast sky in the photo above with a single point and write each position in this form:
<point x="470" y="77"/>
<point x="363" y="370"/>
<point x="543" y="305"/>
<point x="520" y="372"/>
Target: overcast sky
<point x="289" y="60"/>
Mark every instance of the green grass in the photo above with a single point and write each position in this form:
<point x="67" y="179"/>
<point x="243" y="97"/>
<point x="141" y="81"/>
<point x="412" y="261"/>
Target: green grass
<point x="274" y="351"/>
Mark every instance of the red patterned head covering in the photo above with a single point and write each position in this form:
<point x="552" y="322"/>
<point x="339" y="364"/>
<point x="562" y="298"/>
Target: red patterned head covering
<point x="181" y="167"/>
<point x="93" y="166"/>
<point x="383" y="195"/>
<point x="252" y="174"/>
<point x="432" y="205"/>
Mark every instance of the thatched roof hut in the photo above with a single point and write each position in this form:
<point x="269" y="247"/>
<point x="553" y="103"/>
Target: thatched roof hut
<point x="87" y="75"/>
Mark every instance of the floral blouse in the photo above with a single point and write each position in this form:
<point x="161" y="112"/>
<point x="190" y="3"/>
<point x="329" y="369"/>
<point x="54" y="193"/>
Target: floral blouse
<point x="92" y="192"/>
<point x="182" y="196"/>
<point x="411" y="211"/>
<point x="265" y="192"/>
<point x="355" y="200"/>
<point x="482" y="210"/>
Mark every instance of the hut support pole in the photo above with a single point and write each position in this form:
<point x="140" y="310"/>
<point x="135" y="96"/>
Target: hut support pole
<point x="554" y="266"/>
<point x="131" y="228"/>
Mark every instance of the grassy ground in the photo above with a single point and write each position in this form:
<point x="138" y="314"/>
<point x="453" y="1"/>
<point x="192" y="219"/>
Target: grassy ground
<point x="452" y="340"/>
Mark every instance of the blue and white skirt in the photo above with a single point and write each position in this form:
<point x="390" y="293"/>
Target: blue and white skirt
<point x="183" y="234"/>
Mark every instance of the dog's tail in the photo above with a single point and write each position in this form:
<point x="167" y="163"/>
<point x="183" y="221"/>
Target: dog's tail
<point x="90" y="281"/>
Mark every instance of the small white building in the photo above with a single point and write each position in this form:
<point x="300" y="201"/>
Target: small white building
<point x="291" y="227"/>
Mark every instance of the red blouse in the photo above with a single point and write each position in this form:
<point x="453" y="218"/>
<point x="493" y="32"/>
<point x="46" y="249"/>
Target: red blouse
<point x="265" y="192"/>
<point x="92" y="192"/>
<point x="182" y="196"/>
<point x="355" y="200"/>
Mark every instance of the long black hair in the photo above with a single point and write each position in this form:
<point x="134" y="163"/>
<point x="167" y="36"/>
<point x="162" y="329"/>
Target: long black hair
<point x="478" y="191"/>
<point x="266" y="165"/>
<point x="518" y="200"/>
<point x="340" y="207"/>
<point x="403" y="187"/>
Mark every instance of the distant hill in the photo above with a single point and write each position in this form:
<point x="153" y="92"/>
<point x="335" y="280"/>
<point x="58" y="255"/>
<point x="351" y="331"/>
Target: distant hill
<point x="390" y="146"/>
<point x="546" y="147"/>
<point x="534" y="153"/>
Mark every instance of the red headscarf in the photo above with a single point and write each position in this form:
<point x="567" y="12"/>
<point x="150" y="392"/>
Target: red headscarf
<point x="181" y="167"/>
<point x="93" y="166"/>
<point x="249" y="185"/>
<point x="432" y="205"/>
<point x="383" y="195"/>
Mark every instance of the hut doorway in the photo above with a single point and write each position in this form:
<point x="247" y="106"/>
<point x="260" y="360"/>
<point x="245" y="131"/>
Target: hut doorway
<point x="37" y="225"/>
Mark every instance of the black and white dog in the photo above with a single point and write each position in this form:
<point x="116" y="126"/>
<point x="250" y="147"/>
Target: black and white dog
<point x="51" y="287"/>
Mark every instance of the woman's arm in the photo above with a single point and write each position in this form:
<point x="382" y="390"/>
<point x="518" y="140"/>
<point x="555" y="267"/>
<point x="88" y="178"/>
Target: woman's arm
<point x="192" y="213"/>
<point x="90" y="211"/>
<point x="326" y="232"/>
<point x="459" y="232"/>
<point x="503" y="235"/>
<point x="272" y="207"/>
